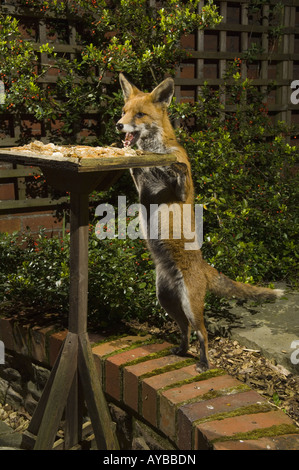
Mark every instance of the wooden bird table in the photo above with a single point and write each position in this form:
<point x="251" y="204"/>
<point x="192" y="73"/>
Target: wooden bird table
<point x="73" y="378"/>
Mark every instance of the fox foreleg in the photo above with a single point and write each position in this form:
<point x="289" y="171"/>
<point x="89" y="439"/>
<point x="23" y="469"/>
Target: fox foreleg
<point x="179" y="175"/>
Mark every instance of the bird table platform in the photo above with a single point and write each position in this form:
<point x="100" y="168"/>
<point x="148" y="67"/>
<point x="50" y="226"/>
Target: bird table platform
<point x="73" y="379"/>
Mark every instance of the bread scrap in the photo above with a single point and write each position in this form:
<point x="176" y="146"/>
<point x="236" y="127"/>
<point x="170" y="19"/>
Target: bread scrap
<point x="74" y="151"/>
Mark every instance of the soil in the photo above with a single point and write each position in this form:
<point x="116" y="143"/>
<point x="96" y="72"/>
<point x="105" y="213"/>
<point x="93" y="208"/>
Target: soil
<point x="272" y="381"/>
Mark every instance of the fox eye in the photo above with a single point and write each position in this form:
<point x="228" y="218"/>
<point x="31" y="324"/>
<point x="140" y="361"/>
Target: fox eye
<point x="139" y="115"/>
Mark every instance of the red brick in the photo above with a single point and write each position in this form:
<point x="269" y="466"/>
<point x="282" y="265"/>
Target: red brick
<point x="36" y="222"/>
<point x="199" y="410"/>
<point x="188" y="71"/>
<point x="209" y="431"/>
<point x="38" y="337"/>
<point x="10" y="224"/>
<point x="7" y="191"/>
<point x="152" y="385"/>
<point x="170" y="399"/>
<point x="103" y="349"/>
<point x="6" y="332"/>
<point x="100" y="351"/>
<point x="258" y="444"/>
<point x="21" y="338"/>
<point x="286" y="442"/>
<point x="110" y="347"/>
<point x="55" y="344"/>
<point x="113" y="372"/>
<point x="188" y="42"/>
<point x="211" y="42"/>
<point x="95" y="338"/>
<point x="132" y="375"/>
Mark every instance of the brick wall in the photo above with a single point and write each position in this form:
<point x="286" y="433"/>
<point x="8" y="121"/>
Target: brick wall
<point x="162" y="394"/>
<point x="34" y="220"/>
<point x="26" y="201"/>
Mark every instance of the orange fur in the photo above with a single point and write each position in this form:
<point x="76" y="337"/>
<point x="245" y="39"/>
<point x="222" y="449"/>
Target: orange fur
<point x="183" y="277"/>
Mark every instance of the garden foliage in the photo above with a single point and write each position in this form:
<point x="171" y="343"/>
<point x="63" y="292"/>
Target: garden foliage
<point x="246" y="176"/>
<point x="34" y="276"/>
<point x="126" y="36"/>
<point x="243" y="168"/>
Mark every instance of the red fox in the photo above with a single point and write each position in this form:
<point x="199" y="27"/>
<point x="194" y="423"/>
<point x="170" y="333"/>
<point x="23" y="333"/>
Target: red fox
<point x="182" y="276"/>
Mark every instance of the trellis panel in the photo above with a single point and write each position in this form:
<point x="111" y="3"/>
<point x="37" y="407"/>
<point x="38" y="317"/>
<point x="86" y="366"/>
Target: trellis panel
<point x="209" y="53"/>
<point x="276" y="62"/>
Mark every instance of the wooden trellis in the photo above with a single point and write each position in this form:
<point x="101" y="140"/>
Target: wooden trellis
<point x="209" y="51"/>
<point x="276" y="59"/>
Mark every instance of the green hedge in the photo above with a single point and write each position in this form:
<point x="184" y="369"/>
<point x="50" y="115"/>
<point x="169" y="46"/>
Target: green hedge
<point x="244" y="170"/>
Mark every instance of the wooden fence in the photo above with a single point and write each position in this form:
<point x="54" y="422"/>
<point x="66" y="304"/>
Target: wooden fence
<point x="274" y="44"/>
<point x="272" y="41"/>
<point x="18" y="211"/>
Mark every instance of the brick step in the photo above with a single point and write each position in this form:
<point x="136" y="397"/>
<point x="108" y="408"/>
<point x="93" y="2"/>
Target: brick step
<point x="211" y="410"/>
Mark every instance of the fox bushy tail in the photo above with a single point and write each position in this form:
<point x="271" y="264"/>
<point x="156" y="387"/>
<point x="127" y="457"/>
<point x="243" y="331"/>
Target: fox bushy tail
<point x="223" y="286"/>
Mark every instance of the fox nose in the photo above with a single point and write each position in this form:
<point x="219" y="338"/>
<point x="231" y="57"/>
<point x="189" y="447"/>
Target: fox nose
<point x="119" y="126"/>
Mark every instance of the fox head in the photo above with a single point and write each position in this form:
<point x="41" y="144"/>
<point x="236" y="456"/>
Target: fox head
<point x="145" y="121"/>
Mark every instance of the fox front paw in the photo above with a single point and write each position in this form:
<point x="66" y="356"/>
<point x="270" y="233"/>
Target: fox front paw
<point x="202" y="366"/>
<point x="179" y="351"/>
<point x="179" y="167"/>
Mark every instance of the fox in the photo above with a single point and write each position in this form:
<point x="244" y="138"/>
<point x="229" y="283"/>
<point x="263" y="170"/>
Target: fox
<point x="182" y="275"/>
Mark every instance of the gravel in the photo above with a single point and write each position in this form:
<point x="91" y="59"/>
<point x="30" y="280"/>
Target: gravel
<point x="18" y="420"/>
<point x="272" y="381"/>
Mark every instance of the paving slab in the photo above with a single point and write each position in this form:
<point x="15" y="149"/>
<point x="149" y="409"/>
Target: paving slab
<point x="272" y="327"/>
<point x="9" y="439"/>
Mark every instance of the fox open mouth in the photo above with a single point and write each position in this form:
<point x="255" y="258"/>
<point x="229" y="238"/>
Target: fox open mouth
<point x="130" y="139"/>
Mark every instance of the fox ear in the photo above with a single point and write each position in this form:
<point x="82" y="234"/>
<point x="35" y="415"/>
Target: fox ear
<point x="127" y="88"/>
<point x="163" y="93"/>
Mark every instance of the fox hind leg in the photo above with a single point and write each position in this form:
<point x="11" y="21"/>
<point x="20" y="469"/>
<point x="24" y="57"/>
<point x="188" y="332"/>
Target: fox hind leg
<point x="169" y="299"/>
<point x="173" y="297"/>
<point x="203" y="363"/>
<point x="198" y="324"/>
<point x="182" y="349"/>
<point x="176" y="311"/>
<point x="173" y="307"/>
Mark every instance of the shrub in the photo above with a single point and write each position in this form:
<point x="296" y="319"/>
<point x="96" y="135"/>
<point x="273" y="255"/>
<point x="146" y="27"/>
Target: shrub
<point x="34" y="276"/>
<point x="245" y="175"/>
<point x="34" y="273"/>
<point x="126" y="36"/>
<point x="243" y="168"/>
